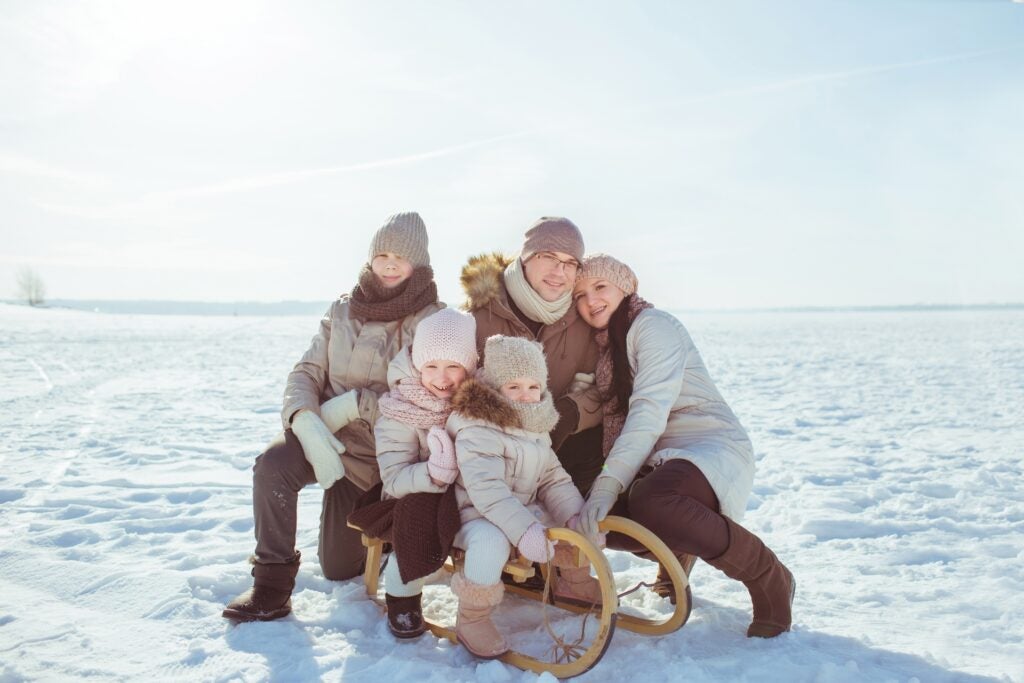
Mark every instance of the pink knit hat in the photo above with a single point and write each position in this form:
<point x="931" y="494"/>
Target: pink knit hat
<point x="553" y="234"/>
<point x="445" y="335"/>
<point x="608" y="268"/>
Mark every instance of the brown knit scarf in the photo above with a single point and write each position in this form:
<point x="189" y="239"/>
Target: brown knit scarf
<point x="409" y="402"/>
<point x="371" y="301"/>
<point x="613" y="419"/>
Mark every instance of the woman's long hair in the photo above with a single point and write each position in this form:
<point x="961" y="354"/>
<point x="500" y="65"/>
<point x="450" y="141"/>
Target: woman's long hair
<point x="622" y="375"/>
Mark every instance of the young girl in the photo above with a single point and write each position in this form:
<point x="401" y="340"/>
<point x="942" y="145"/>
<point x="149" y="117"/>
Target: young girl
<point x="500" y="424"/>
<point x="338" y="381"/>
<point x="414" y="453"/>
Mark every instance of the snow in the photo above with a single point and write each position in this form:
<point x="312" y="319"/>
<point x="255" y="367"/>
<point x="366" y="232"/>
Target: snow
<point x="889" y="472"/>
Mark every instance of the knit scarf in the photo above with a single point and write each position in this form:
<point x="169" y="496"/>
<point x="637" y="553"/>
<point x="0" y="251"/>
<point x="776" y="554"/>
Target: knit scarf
<point x="612" y="418"/>
<point x="411" y="403"/>
<point x="540" y="417"/>
<point x="371" y="301"/>
<point x="529" y="301"/>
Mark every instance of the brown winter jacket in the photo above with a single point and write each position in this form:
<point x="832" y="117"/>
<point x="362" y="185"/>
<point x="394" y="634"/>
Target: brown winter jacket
<point x="349" y="354"/>
<point x="568" y="343"/>
<point x="505" y="470"/>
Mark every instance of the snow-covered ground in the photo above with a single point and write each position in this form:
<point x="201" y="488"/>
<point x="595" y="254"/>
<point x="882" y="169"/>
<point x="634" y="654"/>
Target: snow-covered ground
<point x="889" y="480"/>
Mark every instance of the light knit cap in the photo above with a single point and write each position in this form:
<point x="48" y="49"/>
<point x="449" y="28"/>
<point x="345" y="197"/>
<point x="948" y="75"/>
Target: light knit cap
<point x="605" y="267"/>
<point x="403" y="234"/>
<point x="509" y="358"/>
<point x="553" y="234"/>
<point x="445" y="335"/>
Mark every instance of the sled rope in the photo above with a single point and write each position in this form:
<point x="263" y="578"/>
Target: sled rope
<point x="562" y="650"/>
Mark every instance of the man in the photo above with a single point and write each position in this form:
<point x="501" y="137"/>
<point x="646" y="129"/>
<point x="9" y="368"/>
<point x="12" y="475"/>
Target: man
<point x="530" y="295"/>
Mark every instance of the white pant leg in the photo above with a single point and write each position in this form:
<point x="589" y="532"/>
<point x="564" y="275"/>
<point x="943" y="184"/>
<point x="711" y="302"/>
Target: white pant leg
<point x="393" y="581"/>
<point x="487" y="551"/>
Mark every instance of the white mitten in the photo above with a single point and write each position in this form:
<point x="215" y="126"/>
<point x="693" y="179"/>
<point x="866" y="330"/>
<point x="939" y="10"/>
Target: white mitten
<point x="602" y="497"/>
<point x="340" y="410"/>
<point x="321" y="449"/>
<point x="581" y="381"/>
<point x="534" y="545"/>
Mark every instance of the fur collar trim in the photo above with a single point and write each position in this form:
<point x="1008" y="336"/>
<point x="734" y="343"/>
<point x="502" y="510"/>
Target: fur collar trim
<point x="483" y="277"/>
<point x="477" y="401"/>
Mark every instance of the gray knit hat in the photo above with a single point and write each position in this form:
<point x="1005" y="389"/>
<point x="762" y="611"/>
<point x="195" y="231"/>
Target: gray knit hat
<point x="509" y="358"/>
<point x="403" y="234"/>
<point x="553" y="234"/>
<point x="608" y="268"/>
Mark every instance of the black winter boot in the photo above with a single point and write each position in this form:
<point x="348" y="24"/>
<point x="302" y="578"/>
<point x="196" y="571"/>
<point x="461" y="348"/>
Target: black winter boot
<point x="270" y="596"/>
<point x="405" y="615"/>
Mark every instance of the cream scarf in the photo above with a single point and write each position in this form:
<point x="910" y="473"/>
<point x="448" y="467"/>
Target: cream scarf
<point x="529" y="301"/>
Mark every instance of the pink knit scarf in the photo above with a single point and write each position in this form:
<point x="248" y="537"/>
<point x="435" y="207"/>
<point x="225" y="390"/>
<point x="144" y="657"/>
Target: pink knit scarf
<point x="613" y="419"/>
<point x="412" y="404"/>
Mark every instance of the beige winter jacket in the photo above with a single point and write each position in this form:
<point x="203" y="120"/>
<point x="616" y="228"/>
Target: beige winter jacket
<point x="675" y="411"/>
<point x="504" y="471"/>
<point x="402" y="450"/>
<point x="568" y="343"/>
<point x="347" y="354"/>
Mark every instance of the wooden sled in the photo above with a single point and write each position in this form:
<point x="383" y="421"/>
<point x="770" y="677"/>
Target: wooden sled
<point x="657" y="547"/>
<point x="520" y="572"/>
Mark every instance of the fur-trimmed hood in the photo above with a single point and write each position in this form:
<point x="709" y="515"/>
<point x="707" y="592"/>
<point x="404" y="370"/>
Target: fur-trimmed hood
<point x="482" y="279"/>
<point x="476" y="402"/>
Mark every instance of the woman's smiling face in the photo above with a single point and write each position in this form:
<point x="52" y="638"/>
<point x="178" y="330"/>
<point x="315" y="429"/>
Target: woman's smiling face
<point x="596" y="299"/>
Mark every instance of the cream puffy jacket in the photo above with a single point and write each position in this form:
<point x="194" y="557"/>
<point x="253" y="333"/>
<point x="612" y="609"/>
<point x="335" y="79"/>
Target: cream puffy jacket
<point x="505" y="471"/>
<point x="675" y="411"/>
<point x="402" y="450"/>
<point x="348" y="354"/>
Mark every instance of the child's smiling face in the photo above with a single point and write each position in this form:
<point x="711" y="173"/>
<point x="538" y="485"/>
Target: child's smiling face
<point x="442" y="377"/>
<point x="522" y="390"/>
<point x="391" y="269"/>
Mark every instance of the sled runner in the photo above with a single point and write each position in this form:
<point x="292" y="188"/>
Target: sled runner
<point x="571" y="659"/>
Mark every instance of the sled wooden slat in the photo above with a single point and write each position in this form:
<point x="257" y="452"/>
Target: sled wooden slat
<point x="675" y="621"/>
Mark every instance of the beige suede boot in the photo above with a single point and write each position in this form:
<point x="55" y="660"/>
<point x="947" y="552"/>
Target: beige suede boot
<point x="473" y="626"/>
<point x="574" y="584"/>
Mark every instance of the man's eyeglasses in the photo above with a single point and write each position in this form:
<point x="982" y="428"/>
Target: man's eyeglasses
<point x="552" y="262"/>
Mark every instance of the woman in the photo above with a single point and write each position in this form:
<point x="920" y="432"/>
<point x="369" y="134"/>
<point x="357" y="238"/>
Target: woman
<point x="672" y="444"/>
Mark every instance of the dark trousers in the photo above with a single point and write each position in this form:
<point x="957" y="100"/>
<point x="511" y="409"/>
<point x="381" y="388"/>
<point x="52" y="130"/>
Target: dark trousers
<point x="580" y="455"/>
<point x="278" y="476"/>
<point x="676" y="503"/>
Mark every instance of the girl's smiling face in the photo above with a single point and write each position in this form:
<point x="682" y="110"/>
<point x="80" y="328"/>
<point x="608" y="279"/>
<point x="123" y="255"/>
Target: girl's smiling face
<point x="442" y="377"/>
<point x="596" y="299"/>
<point x="391" y="269"/>
<point x="522" y="390"/>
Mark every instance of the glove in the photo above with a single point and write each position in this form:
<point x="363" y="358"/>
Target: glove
<point x="340" y="410"/>
<point x="321" y="449"/>
<point x="568" y="420"/>
<point x="581" y="381"/>
<point x="441" y="463"/>
<point x="574" y="524"/>
<point x="534" y="545"/>
<point x="601" y="499"/>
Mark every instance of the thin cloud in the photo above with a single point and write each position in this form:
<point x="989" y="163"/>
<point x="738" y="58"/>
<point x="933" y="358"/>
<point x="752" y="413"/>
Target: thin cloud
<point x="291" y="177"/>
<point x="25" y="166"/>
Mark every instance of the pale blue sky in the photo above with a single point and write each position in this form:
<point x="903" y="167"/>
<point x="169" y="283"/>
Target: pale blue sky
<point x="737" y="154"/>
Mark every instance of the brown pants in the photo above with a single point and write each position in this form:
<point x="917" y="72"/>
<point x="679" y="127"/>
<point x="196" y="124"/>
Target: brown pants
<point x="580" y="455"/>
<point x="676" y="503"/>
<point x="278" y="476"/>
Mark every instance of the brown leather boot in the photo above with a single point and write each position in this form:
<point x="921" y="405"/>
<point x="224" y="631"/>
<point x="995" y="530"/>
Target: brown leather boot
<point x="573" y="584"/>
<point x="270" y="596"/>
<point x="663" y="583"/>
<point x="405" y="615"/>
<point x="473" y="626"/>
<point x="769" y="582"/>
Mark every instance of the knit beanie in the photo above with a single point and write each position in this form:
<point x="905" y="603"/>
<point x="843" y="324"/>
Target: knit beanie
<point x="403" y="234"/>
<point x="608" y="268"/>
<point x="553" y="234"/>
<point x="445" y="335"/>
<point x="509" y="358"/>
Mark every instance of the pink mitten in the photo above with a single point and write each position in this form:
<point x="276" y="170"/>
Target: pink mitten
<point x="441" y="463"/>
<point x="534" y="545"/>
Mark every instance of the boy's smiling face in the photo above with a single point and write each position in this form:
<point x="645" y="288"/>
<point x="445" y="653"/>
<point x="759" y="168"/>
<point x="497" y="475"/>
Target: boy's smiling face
<point x="522" y="390"/>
